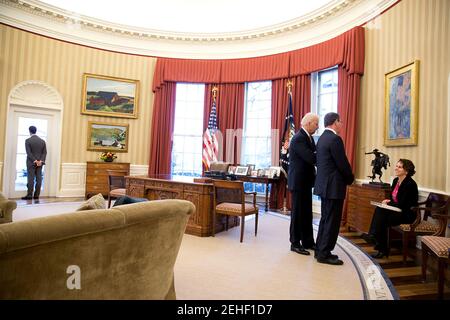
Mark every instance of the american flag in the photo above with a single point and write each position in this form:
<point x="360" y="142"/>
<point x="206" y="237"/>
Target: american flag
<point x="288" y="133"/>
<point x="210" y="143"/>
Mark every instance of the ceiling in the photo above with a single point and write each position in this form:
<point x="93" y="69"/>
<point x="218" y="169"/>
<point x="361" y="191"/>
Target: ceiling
<point x="194" y="16"/>
<point x="196" y="29"/>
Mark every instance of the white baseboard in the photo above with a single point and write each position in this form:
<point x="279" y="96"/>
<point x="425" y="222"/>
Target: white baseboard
<point x="73" y="178"/>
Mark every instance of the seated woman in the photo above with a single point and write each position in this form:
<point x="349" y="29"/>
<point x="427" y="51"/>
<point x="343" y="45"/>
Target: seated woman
<point x="404" y="195"/>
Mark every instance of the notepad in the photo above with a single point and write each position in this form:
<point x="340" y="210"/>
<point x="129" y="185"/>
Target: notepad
<point x="385" y="206"/>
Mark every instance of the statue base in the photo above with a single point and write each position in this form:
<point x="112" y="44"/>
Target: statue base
<point x="380" y="185"/>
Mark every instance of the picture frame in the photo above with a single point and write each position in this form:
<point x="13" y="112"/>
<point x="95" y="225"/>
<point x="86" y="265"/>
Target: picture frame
<point x="231" y="169"/>
<point x="251" y="168"/>
<point x="275" y="172"/>
<point x="107" y="137"/>
<point x="110" y="96"/>
<point x="241" y="171"/>
<point x="261" y="172"/>
<point x="402" y="105"/>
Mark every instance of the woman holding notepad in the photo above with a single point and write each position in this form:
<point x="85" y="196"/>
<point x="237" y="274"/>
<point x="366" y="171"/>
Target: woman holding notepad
<point x="404" y="195"/>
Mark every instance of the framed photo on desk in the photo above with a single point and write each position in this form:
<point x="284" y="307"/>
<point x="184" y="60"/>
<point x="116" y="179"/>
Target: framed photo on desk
<point x="241" y="171"/>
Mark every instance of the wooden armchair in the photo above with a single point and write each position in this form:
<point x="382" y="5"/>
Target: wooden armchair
<point x="238" y="208"/>
<point x="438" y="247"/>
<point x="116" y="183"/>
<point x="435" y="206"/>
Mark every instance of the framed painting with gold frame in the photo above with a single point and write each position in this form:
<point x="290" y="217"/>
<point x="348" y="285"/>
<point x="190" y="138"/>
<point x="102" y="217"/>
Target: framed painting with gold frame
<point x="402" y="105"/>
<point x="107" y="137"/>
<point x="110" y="96"/>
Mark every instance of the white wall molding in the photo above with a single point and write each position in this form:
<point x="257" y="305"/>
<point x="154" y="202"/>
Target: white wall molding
<point x="73" y="178"/>
<point x="319" y="26"/>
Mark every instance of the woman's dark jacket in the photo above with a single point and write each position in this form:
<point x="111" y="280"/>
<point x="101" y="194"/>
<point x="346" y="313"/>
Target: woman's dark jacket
<point x="407" y="196"/>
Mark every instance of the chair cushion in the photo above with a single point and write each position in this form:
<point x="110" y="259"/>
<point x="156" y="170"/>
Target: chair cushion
<point x="424" y="226"/>
<point x="235" y="207"/>
<point x="127" y="200"/>
<point x="439" y="245"/>
<point x="118" y="192"/>
<point x="94" y="202"/>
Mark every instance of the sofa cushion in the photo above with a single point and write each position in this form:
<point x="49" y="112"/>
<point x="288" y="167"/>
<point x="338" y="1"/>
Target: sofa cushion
<point x="127" y="200"/>
<point x="94" y="202"/>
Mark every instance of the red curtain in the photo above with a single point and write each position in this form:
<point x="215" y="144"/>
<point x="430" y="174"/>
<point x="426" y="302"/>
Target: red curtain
<point x="348" y="101"/>
<point x="162" y="129"/>
<point x="301" y="104"/>
<point x="346" y="49"/>
<point x="230" y="115"/>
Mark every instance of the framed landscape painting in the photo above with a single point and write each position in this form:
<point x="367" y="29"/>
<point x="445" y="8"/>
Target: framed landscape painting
<point x="110" y="96"/>
<point x="401" y="105"/>
<point x="107" y="137"/>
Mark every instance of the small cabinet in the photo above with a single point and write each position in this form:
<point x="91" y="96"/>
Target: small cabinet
<point x="97" y="176"/>
<point x="359" y="209"/>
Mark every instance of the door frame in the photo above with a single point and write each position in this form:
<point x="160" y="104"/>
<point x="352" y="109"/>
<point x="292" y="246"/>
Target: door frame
<point x="35" y="97"/>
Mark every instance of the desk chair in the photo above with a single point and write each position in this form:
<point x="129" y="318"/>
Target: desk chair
<point x="116" y="183"/>
<point x="236" y="207"/>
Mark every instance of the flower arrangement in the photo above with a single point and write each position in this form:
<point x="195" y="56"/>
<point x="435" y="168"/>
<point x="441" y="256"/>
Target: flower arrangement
<point x="108" y="156"/>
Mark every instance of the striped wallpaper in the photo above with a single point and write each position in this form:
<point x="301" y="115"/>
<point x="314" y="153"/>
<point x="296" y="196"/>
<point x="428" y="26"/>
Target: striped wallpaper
<point x="26" y="56"/>
<point x="413" y="29"/>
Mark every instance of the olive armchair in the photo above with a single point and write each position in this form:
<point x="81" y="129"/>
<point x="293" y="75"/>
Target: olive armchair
<point x="6" y="209"/>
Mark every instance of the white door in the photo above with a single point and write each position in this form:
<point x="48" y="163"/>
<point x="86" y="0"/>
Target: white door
<point x="22" y="119"/>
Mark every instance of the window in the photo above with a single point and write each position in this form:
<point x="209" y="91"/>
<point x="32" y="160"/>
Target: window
<point x="188" y="130"/>
<point x="324" y="88"/>
<point x="256" y="146"/>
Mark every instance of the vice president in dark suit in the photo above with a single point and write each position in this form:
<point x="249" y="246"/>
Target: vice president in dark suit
<point x="301" y="176"/>
<point x="333" y="175"/>
<point x="36" y="153"/>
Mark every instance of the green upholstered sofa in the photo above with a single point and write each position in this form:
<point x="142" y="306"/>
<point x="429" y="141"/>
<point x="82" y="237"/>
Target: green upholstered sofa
<point x="127" y="252"/>
<point x="6" y="209"/>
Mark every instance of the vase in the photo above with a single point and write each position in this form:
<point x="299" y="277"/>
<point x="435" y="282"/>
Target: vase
<point x="108" y="160"/>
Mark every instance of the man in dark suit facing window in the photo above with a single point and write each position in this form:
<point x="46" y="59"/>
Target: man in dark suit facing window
<point x="333" y="175"/>
<point x="301" y="175"/>
<point x="36" y="152"/>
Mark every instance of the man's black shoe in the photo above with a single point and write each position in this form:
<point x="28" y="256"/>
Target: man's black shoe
<point x="313" y="247"/>
<point x="330" y="260"/>
<point x="27" y="198"/>
<point x="35" y="197"/>
<point x="300" y="250"/>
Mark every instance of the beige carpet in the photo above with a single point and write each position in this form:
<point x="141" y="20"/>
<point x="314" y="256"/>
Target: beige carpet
<point x="260" y="268"/>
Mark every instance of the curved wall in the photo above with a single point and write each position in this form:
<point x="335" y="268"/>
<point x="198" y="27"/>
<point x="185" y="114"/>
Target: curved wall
<point x="413" y="29"/>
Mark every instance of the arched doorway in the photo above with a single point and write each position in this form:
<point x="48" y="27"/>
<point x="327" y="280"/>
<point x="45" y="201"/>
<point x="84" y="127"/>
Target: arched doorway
<point x="32" y="103"/>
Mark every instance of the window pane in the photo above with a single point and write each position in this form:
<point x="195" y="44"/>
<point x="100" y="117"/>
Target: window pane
<point x="257" y="123"/>
<point x="325" y="87"/>
<point x="188" y="130"/>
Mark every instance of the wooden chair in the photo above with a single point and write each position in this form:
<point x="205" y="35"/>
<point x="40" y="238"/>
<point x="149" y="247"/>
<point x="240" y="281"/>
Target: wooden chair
<point x="116" y="183"/>
<point x="438" y="247"/>
<point x="437" y="206"/>
<point x="233" y="207"/>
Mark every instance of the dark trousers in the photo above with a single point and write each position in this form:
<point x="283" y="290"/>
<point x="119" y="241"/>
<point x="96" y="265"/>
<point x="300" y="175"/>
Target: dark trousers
<point x="330" y="223"/>
<point x="34" y="172"/>
<point x="381" y="221"/>
<point x="301" y="218"/>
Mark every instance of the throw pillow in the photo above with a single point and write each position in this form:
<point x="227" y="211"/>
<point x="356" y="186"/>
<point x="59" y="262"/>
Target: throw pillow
<point x="95" y="202"/>
<point x="127" y="200"/>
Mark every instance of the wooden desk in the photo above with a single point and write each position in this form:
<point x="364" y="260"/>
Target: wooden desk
<point x="359" y="210"/>
<point x="168" y="187"/>
<point x="263" y="180"/>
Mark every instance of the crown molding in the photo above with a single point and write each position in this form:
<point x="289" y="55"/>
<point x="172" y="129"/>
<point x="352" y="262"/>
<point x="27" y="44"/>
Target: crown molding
<point x="321" y="25"/>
